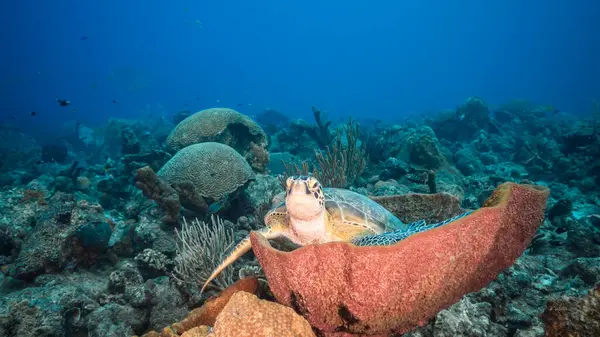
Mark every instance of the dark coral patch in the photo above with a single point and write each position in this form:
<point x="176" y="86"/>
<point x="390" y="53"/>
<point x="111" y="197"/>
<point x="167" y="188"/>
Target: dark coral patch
<point x="348" y="319"/>
<point x="296" y="304"/>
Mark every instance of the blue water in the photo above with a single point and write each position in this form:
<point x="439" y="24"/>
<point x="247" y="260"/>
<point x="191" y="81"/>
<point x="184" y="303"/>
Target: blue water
<point x="384" y="59"/>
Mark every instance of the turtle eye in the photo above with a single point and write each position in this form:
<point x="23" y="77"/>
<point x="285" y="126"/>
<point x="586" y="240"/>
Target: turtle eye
<point x="313" y="183"/>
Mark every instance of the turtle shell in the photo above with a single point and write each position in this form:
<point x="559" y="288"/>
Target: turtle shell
<point x="350" y="208"/>
<point x="347" y="208"/>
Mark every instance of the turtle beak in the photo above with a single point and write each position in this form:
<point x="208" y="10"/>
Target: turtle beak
<point x="299" y="188"/>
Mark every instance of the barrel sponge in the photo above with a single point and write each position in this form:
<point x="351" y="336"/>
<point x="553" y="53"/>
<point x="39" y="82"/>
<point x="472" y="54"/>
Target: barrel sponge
<point x="221" y="125"/>
<point x="214" y="169"/>
<point x="380" y="290"/>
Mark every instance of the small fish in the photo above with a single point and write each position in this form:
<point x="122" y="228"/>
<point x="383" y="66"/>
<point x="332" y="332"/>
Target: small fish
<point x="420" y="178"/>
<point x="218" y="101"/>
<point x="33" y="113"/>
<point x="115" y="101"/>
<point x="216" y="207"/>
<point x="63" y="102"/>
<point x="198" y="22"/>
<point x="240" y="104"/>
<point x="83" y="38"/>
<point x="39" y="162"/>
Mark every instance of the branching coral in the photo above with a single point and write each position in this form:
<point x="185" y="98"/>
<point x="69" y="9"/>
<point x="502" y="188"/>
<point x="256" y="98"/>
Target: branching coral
<point x="320" y="132"/>
<point x="200" y="249"/>
<point x="342" y="163"/>
<point x="339" y="164"/>
<point x="379" y="146"/>
<point x="293" y="169"/>
<point x="331" y="169"/>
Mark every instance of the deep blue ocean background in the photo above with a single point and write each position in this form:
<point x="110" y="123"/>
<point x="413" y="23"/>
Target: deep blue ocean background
<point x="385" y="59"/>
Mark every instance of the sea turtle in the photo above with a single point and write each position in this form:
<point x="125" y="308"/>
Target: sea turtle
<point x="312" y="214"/>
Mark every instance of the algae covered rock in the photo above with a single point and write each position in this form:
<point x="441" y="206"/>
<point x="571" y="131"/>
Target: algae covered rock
<point x="573" y="316"/>
<point x="66" y="234"/>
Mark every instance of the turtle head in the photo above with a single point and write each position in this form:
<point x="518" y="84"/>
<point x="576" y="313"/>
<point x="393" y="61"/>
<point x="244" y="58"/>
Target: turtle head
<point x="304" y="198"/>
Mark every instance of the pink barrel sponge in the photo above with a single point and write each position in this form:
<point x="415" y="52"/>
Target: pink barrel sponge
<point x="343" y="289"/>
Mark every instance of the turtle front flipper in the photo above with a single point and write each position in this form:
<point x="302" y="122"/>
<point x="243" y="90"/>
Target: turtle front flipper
<point x="389" y="238"/>
<point x="240" y="249"/>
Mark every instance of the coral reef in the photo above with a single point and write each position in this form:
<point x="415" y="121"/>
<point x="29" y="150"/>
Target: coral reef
<point x="91" y="236"/>
<point x="468" y="119"/>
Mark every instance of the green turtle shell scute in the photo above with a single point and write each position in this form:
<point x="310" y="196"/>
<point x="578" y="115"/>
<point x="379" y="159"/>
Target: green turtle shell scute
<point x="349" y="207"/>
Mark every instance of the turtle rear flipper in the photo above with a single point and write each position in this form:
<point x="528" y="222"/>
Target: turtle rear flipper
<point x="389" y="238"/>
<point x="240" y="249"/>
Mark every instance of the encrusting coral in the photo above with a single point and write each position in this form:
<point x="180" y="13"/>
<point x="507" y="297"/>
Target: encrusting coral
<point x="162" y="193"/>
<point x="573" y="317"/>
<point x="341" y="288"/>
<point x="416" y="206"/>
<point x="248" y="316"/>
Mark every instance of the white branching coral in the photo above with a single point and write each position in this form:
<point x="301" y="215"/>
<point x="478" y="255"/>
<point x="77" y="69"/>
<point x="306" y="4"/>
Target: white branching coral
<point x="200" y="249"/>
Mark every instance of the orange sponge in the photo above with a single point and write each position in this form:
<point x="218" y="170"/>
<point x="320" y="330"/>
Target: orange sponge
<point x="245" y="315"/>
<point x="341" y="288"/>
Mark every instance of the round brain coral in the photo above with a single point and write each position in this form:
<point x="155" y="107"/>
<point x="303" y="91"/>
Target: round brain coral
<point x="214" y="169"/>
<point x="225" y="126"/>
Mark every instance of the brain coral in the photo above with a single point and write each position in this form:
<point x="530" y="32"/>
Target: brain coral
<point x="214" y="169"/>
<point x="225" y="126"/>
